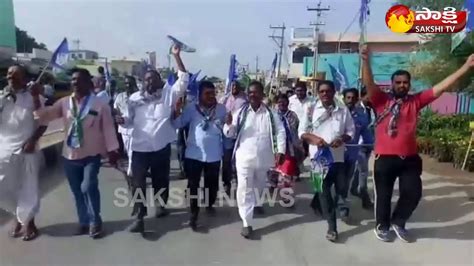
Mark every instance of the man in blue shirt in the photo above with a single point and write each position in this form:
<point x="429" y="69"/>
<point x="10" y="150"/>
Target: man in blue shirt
<point x="204" y="148"/>
<point x="359" y="182"/>
<point x="361" y="122"/>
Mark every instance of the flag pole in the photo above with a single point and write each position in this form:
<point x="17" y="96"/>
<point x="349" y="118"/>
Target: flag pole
<point x="49" y="62"/>
<point x="44" y="70"/>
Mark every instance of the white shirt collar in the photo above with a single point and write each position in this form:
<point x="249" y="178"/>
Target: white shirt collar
<point x="319" y="104"/>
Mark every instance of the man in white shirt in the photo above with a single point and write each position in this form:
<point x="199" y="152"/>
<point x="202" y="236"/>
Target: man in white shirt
<point x="149" y="114"/>
<point x="301" y="104"/>
<point x="19" y="157"/>
<point x="99" y="89"/>
<point x="260" y="144"/>
<point x="121" y="108"/>
<point x="330" y="125"/>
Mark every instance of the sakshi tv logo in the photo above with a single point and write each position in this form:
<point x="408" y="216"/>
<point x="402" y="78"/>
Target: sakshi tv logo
<point x="401" y="19"/>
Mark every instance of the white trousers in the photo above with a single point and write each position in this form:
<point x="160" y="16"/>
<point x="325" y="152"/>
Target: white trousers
<point x="19" y="189"/>
<point x="251" y="182"/>
<point x="127" y="145"/>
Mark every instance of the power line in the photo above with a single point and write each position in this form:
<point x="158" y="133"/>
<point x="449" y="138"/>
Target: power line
<point x="319" y="10"/>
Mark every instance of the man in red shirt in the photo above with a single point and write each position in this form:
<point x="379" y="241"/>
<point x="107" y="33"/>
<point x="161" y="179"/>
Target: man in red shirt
<point x="396" y="154"/>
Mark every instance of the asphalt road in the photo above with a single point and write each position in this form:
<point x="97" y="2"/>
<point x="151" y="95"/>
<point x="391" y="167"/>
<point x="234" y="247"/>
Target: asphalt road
<point x="443" y="223"/>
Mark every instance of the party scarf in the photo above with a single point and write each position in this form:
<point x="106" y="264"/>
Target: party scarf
<point x="75" y="136"/>
<point x="393" y="108"/>
<point x="289" y="136"/>
<point x="242" y="118"/>
<point x="208" y="115"/>
<point x="323" y="118"/>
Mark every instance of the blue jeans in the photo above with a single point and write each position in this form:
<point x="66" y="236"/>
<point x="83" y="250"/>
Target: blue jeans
<point x="82" y="176"/>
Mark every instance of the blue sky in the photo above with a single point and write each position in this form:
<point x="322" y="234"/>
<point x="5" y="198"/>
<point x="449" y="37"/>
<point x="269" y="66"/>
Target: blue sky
<point x="216" y="28"/>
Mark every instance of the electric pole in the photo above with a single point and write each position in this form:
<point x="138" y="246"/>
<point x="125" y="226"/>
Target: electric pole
<point x="256" y="67"/>
<point x="279" y="44"/>
<point x="319" y="10"/>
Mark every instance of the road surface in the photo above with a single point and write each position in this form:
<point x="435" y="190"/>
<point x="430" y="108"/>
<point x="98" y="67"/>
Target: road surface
<point x="443" y="223"/>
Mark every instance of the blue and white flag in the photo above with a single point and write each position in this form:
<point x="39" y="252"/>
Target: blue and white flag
<point x="334" y="75"/>
<point x="193" y="85"/>
<point x="233" y="73"/>
<point x="108" y="77"/>
<point x="460" y="37"/>
<point x="171" y="79"/>
<point x="271" y="75"/>
<point x="184" y="47"/>
<point x="339" y="76"/>
<point x="364" y="13"/>
<point x="342" y="74"/>
<point x="60" y="56"/>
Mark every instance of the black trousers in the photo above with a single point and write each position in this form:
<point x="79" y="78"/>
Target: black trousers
<point x="194" y="169"/>
<point x="227" y="167"/>
<point x="159" y="164"/>
<point x="327" y="200"/>
<point x="386" y="170"/>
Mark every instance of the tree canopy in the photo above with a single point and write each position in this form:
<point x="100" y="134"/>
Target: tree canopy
<point x="25" y="43"/>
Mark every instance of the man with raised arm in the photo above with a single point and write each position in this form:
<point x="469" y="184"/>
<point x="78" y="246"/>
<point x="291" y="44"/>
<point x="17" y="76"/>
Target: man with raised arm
<point x="149" y="114"/>
<point x="396" y="154"/>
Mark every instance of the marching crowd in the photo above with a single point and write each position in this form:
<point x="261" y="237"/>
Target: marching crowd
<point x="239" y="135"/>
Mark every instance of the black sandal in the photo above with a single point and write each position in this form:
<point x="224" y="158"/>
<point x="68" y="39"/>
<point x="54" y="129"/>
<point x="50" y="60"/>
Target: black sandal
<point x="31" y="235"/>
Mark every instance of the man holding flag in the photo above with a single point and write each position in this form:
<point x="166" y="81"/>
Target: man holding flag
<point x="328" y="126"/>
<point x="19" y="157"/>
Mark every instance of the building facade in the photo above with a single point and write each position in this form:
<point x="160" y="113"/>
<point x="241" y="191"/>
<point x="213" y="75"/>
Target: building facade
<point x="7" y="30"/>
<point x="83" y="55"/>
<point x="302" y="46"/>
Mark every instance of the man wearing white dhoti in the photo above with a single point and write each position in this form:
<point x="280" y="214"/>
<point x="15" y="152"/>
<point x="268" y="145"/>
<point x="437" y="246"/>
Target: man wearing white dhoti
<point x="19" y="158"/>
<point x="260" y="144"/>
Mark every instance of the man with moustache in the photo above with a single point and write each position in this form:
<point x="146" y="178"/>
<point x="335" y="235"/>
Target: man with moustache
<point x="260" y="145"/>
<point x="149" y="115"/>
<point x="329" y="126"/>
<point x="19" y="157"/>
<point x="90" y="134"/>
<point x="396" y="154"/>
<point x="204" y="148"/>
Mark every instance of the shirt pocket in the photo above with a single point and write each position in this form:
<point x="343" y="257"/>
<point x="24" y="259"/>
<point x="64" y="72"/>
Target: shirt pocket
<point x="161" y="111"/>
<point x="90" y="121"/>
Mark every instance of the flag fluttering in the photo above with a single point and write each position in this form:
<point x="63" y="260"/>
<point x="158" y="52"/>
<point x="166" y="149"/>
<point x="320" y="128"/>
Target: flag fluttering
<point x="271" y="74"/>
<point x="459" y="40"/>
<point x="232" y="74"/>
<point x="60" y="57"/>
<point x="364" y="13"/>
<point x="193" y="85"/>
<point x="339" y="76"/>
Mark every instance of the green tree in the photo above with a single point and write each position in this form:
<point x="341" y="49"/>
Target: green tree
<point x="214" y="79"/>
<point x="25" y="43"/>
<point x="441" y="62"/>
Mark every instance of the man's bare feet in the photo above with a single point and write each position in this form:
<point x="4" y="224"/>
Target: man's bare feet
<point x="15" y="232"/>
<point x="31" y="231"/>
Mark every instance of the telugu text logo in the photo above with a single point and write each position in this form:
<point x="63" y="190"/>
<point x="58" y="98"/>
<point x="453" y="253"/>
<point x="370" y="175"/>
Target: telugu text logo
<point x="401" y="19"/>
